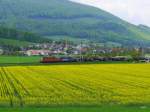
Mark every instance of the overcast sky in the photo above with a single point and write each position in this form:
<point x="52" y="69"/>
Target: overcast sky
<point x="134" y="11"/>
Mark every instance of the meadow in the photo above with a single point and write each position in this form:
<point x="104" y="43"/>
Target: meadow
<point x="19" y="59"/>
<point x="78" y="109"/>
<point x="81" y="85"/>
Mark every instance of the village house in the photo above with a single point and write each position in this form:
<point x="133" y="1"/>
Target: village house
<point x="1" y="51"/>
<point x="38" y="52"/>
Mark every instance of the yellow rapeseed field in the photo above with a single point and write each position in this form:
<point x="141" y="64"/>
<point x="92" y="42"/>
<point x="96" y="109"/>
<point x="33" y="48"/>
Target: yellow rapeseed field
<point x="86" y="84"/>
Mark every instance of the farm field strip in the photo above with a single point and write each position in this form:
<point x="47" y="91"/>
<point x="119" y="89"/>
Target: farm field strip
<point x="93" y="84"/>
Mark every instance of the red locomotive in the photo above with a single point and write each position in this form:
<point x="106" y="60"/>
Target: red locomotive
<point x="50" y="60"/>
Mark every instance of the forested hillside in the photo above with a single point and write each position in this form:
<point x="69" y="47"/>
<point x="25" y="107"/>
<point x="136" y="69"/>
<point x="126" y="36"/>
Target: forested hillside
<point x="60" y="18"/>
<point x="12" y="37"/>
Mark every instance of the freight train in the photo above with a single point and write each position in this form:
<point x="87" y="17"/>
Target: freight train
<point x="55" y="59"/>
<point x="83" y="59"/>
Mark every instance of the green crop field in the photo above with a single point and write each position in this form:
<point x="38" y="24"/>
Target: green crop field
<point x="75" y="85"/>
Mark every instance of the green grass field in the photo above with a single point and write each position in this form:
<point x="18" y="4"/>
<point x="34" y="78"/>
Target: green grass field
<point x="79" y="109"/>
<point x="123" y="87"/>
<point x="19" y="59"/>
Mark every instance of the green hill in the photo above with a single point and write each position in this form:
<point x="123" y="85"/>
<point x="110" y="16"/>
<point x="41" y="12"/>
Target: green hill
<point x="52" y="18"/>
<point x="14" y="38"/>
